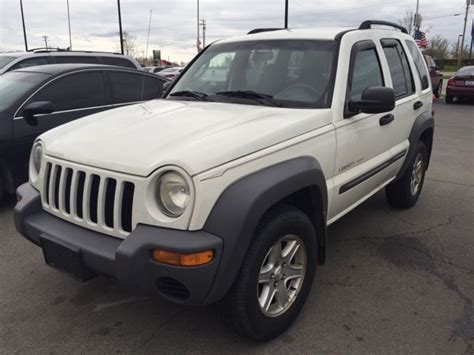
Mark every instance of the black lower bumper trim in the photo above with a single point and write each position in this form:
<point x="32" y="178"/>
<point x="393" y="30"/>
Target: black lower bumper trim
<point x="127" y="260"/>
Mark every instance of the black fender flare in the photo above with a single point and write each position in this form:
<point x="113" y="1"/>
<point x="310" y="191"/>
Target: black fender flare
<point x="423" y="123"/>
<point x="240" y="207"/>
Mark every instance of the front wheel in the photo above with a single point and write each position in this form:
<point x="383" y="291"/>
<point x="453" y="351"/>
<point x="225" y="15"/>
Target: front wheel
<point x="404" y="192"/>
<point x="276" y="276"/>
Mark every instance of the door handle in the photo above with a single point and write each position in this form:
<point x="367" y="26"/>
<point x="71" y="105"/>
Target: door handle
<point x="417" y="105"/>
<point x="386" y="119"/>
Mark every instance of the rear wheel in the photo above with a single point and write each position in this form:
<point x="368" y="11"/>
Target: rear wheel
<point x="404" y="192"/>
<point x="276" y="276"/>
<point x="2" y="188"/>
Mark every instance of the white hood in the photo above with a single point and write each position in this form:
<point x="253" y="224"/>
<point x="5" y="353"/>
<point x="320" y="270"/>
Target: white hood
<point x="194" y="135"/>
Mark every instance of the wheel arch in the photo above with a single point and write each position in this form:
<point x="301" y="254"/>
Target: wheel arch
<point x="299" y="182"/>
<point x="422" y="130"/>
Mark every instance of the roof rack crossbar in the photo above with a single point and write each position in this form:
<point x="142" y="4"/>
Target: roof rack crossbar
<point x="368" y="25"/>
<point x="260" y="30"/>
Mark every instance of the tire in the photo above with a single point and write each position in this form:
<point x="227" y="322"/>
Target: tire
<point x="439" y="90"/>
<point x="449" y="99"/>
<point x="252" y="317"/>
<point x="404" y="192"/>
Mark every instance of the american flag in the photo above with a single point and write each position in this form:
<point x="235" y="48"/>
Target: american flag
<point x="420" y="39"/>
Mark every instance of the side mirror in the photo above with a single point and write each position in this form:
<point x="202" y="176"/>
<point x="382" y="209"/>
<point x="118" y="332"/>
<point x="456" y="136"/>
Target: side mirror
<point x="375" y="99"/>
<point x="36" y="108"/>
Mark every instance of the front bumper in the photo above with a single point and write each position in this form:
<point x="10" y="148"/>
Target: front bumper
<point x="128" y="260"/>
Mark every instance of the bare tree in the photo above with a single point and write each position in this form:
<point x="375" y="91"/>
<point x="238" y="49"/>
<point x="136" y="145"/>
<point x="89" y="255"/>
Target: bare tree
<point x="408" y="21"/>
<point x="438" y="47"/>
<point x="129" y="45"/>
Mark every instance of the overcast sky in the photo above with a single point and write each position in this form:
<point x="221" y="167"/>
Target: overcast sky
<point x="173" y="27"/>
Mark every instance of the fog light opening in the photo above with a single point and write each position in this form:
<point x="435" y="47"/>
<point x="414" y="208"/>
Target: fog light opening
<point x="180" y="259"/>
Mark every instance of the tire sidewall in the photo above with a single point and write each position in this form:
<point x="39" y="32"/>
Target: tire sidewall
<point x="289" y="223"/>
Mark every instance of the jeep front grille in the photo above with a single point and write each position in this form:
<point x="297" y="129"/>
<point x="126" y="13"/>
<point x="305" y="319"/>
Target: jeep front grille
<point x="88" y="198"/>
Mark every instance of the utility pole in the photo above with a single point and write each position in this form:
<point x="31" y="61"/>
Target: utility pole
<point x="148" y="37"/>
<point x="468" y="3"/>
<point x="416" y="20"/>
<point x="69" y="25"/>
<point x="45" y="41"/>
<point x="203" y="24"/>
<point x="198" y="42"/>
<point x="472" y="39"/>
<point x="120" y="25"/>
<point x="24" y="27"/>
<point x="286" y="13"/>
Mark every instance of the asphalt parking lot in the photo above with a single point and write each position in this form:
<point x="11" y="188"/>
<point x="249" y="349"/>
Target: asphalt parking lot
<point x="398" y="281"/>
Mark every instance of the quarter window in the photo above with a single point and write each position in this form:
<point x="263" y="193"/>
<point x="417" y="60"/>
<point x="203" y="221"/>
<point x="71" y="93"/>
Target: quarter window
<point x="366" y="73"/>
<point x="419" y="63"/>
<point x="76" y="91"/>
<point x="400" y="72"/>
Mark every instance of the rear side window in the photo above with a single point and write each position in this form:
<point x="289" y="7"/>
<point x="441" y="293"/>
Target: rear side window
<point x="419" y="63"/>
<point x="120" y="62"/>
<point x="400" y="72"/>
<point x="130" y="87"/>
<point x="30" y="62"/>
<point x="366" y="73"/>
<point x="75" y="91"/>
<point x="76" y="59"/>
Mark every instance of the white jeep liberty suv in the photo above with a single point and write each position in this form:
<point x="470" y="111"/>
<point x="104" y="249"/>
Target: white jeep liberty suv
<point x="222" y="190"/>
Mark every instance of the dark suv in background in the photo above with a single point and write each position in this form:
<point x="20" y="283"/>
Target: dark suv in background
<point x="36" y="99"/>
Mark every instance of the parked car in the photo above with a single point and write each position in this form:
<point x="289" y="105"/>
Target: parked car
<point x="37" y="99"/>
<point x="461" y="85"/>
<point x="154" y="70"/>
<point x="222" y="191"/>
<point x="171" y="73"/>
<point x="435" y="75"/>
<point x="18" y="60"/>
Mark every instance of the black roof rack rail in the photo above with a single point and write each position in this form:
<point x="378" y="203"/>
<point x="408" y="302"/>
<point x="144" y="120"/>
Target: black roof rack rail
<point x="368" y="25"/>
<point x="260" y="30"/>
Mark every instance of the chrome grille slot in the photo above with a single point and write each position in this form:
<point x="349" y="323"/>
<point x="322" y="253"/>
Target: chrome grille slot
<point x="90" y="199"/>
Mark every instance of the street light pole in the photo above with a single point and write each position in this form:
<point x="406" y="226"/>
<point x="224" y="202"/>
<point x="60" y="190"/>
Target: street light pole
<point x="468" y="3"/>
<point x="69" y="25"/>
<point x="286" y="13"/>
<point x="148" y="37"/>
<point x="416" y="22"/>
<point x="120" y="25"/>
<point x="24" y="27"/>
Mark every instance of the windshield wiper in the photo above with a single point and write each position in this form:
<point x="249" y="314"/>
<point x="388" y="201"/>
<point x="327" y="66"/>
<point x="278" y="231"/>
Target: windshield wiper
<point x="252" y="95"/>
<point x="188" y="93"/>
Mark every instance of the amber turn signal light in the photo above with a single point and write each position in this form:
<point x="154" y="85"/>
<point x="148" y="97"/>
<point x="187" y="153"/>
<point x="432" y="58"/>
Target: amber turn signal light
<point x="172" y="258"/>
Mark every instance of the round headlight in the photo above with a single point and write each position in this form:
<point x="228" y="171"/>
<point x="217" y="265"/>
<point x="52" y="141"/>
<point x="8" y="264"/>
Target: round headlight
<point x="172" y="194"/>
<point x="37" y="156"/>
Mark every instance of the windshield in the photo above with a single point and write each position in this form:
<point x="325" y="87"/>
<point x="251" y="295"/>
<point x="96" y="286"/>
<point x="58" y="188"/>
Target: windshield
<point x="14" y="85"/>
<point x="292" y="73"/>
<point x="466" y="71"/>
<point x="4" y="60"/>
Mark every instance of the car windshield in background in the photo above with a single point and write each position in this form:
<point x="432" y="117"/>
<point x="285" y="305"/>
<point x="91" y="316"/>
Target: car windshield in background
<point x="466" y="71"/>
<point x="4" y="60"/>
<point x="297" y="73"/>
<point x="14" y="85"/>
